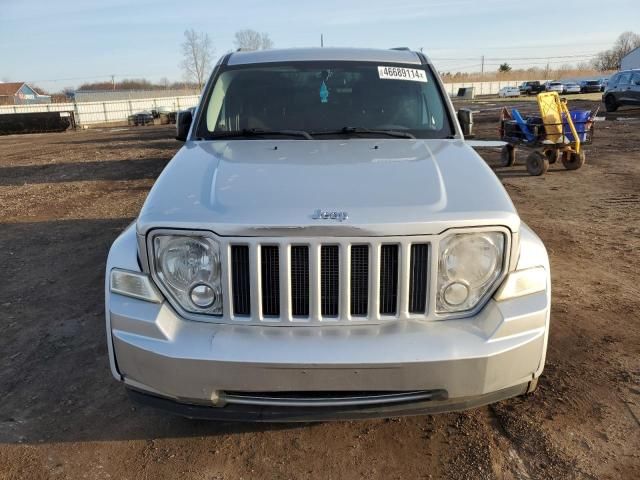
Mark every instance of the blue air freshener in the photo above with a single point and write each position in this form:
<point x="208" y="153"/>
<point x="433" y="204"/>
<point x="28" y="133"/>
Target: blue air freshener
<point x="324" y="93"/>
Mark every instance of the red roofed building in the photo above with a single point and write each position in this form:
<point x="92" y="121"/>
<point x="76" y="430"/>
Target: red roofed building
<point x="19" y="93"/>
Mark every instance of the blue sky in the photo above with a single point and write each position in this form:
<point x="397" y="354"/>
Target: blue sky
<point x="58" y="43"/>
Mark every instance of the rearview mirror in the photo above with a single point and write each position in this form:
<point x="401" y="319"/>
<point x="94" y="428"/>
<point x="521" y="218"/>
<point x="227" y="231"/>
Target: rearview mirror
<point x="465" y="117"/>
<point x="183" y="124"/>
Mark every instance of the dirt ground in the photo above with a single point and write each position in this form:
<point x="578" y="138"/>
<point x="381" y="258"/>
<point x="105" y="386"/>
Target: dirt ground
<point x="65" y="197"/>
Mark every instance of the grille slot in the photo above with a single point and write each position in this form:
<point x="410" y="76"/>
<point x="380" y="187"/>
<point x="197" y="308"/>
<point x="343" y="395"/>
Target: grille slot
<point x="270" y="281"/>
<point x="359" y="279"/>
<point x="300" y="281"/>
<point x="388" y="279"/>
<point x="329" y="280"/>
<point x="418" y="277"/>
<point x="240" y="283"/>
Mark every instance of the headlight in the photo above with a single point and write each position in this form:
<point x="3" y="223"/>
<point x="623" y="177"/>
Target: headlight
<point x="188" y="267"/>
<point x="469" y="265"/>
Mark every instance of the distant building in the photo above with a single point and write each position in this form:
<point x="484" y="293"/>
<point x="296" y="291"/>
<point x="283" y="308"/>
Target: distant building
<point x="631" y="60"/>
<point x="109" y="95"/>
<point x="19" y="93"/>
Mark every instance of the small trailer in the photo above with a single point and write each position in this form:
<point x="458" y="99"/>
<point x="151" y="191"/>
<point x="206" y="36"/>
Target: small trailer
<point x="556" y="134"/>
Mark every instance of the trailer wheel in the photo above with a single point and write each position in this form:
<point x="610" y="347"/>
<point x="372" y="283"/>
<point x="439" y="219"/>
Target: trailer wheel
<point x="537" y="164"/>
<point x="508" y="156"/>
<point x="552" y="154"/>
<point x="573" y="160"/>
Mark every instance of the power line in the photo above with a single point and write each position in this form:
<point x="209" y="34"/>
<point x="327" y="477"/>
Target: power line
<point x="508" y="59"/>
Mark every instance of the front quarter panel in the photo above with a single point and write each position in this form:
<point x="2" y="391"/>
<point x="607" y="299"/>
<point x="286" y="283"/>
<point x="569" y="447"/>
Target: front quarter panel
<point x="123" y="254"/>
<point x="534" y="254"/>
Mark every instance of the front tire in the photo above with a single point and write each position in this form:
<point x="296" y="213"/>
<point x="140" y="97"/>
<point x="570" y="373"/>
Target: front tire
<point x="573" y="160"/>
<point x="537" y="164"/>
<point x="610" y="103"/>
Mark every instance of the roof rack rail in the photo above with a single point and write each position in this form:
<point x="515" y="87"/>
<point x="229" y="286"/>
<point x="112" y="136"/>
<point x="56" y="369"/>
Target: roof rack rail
<point x="406" y="49"/>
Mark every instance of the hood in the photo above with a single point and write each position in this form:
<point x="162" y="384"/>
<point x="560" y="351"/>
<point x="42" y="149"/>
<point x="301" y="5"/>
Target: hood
<point x="276" y="187"/>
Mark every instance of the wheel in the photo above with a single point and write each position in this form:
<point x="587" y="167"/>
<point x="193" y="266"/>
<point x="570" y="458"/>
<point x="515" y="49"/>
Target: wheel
<point x="573" y="160"/>
<point x="610" y="103"/>
<point x="537" y="164"/>
<point x="508" y="156"/>
<point x="552" y="154"/>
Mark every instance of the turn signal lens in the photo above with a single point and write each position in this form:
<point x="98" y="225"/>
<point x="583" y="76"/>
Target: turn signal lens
<point x="133" y="284"/>
<point x="522" y="282"/>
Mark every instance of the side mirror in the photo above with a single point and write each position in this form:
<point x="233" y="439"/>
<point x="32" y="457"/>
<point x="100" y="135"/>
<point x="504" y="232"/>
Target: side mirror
<point x="465" y="117"/>
<point x="183" y="124"/>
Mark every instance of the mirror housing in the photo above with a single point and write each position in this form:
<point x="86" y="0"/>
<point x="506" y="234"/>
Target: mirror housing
<point x="183" y="125"/>
<point x="465" y="117"/>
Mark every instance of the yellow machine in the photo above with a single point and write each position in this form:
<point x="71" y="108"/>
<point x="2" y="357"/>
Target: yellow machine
<point x="551" y="109"/>
<point x="552" y="136"/>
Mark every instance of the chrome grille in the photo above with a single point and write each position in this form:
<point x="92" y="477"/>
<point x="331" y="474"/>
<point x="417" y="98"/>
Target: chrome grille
<point x="341" y="280"/>
<point x="329" y="280"/>
<point x="388" y="279"/>
<point x="240" y="279"/>
<point x="359" y="279"/>
<point x="300" y="280"/>
<point x="418" y="278"/>
<point x="270" y="258"/>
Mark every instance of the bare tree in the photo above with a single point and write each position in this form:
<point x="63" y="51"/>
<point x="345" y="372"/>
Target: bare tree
<point x="610" y="59"/>
<point x="251" y="40"/>
<point x="197" y="52"/>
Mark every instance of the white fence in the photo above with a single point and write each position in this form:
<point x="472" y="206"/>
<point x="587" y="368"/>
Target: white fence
<point x="87" y="113"/>
<point x="483" y="88"/>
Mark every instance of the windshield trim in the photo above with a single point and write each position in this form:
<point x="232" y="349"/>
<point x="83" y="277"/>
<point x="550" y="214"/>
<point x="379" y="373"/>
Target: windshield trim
<point x="200" y="131"/>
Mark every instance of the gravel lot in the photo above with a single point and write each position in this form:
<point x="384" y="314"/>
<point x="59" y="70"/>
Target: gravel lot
<point x="65" y="197"/>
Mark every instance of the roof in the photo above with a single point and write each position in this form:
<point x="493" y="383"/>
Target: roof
<point x="320" y="54"/>
<point x="631" y="51"/>
<point x="10" y="88"/>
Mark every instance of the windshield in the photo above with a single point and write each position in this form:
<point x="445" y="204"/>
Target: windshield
<point x="325" y="99"/>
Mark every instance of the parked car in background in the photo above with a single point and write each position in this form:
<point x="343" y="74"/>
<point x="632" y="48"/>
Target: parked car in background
<point x="604" y="81"/>
<point x="140" y="118"/>
<point x="623" y="89"/>
<point x="321" y="249"/>
<point x="590" y="86"/>
<point x="531" y="88"/>
<point x="571" y="87"/>
<point x="555" y="87"/>
<point x="509" y="92"/>
<point x="166" y="115"/>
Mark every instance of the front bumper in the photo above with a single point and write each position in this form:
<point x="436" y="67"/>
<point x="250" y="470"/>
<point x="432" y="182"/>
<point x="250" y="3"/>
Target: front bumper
<point x="257" y="413"/>
<point x="457" y="364"/>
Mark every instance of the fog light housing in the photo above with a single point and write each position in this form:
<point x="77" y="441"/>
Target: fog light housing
<point x="203" y="295"/>
<point x="456" y="293"/>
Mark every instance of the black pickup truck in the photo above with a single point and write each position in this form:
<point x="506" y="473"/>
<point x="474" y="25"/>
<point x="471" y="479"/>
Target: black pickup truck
<point x="531" y="88"/>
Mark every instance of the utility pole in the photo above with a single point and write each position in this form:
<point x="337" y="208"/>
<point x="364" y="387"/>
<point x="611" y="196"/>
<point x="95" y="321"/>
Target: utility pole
<point x="113" y="82"/>
<point x="546" y="72"/>
<point x="482" y="66"/>
<point x="321" y="40"/>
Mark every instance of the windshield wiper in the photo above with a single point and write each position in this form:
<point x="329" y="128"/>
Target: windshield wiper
<point x="359" y="130"/>
<point x="257" y="132"/>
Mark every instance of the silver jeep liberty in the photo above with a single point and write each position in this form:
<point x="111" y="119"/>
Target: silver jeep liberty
<point x="326" y="245"/>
